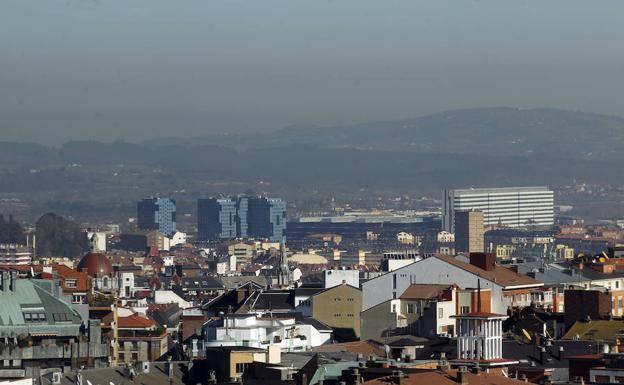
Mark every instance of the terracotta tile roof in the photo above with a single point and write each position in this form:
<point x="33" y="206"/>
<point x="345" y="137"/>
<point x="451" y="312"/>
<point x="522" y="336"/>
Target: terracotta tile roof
<point x="500" y="275"/>
<point x="424" y="291"/>
<point x="134" y="321"/>
<point x="448" y="378"/>
<point x="366" y="348"/>
<point x="64" y="273"/>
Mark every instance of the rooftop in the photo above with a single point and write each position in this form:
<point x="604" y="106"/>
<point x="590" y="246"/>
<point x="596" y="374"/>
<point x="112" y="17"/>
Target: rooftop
<point x="500" y="275"/>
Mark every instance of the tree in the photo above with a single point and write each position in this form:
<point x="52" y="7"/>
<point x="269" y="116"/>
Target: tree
<point x="59" y="237"/>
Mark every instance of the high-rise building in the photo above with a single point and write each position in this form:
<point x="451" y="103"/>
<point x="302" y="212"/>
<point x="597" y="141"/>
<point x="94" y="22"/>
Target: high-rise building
<point x="157" y="214"/>
<point x="241" y="217"/>
<point x="507" y="206"/>
<point x="266" y="218"/>
<point x="469" y="231"/>
<point x="217" y="219"/>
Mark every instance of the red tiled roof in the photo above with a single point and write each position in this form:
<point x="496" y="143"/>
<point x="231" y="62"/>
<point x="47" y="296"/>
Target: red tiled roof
<point x="366" y="348"/>
<point x="500" y="275"/>
<point x="448" y="378"/>
<point x="424" y="291"/>
<point x="135" y="321"/>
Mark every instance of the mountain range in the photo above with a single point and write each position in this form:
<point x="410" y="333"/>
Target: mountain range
<point x="478" y="147"/>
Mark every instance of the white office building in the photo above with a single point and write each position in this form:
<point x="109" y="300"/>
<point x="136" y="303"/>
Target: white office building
<point x="508" y="206"/>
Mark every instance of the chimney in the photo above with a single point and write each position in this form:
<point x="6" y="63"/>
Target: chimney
<point x="5" y="281"/>
<point x="485" y="261"/>
<point x="397" y="377"/>
<point x="462" y="375"/>
<point x="13" y="281"/>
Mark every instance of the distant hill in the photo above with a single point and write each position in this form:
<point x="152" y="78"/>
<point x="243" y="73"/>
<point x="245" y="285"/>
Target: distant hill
<point x="421" y="156"/>
<point x="494" y="131"/>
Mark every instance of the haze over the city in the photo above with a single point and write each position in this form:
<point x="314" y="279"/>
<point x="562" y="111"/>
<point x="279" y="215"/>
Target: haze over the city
<point x="133" y="70"/>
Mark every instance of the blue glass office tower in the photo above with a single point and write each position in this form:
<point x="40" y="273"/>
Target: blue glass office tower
<point x="157" y="214"/>
<point x="216" y="219"/>
<point x="240" y="217"/>
<point x="266" y="218"/>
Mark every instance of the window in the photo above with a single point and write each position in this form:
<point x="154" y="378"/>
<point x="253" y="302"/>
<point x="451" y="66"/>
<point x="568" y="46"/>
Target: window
<point x="465" y="309"/>
<point x="440" y="313"/>
<point x="394" y="308"/>
<point x="61" y="317"/>
<point x="71" y="283"/>
<point x="410" y="308"/>
<point x="240" y="367"/>
<point x="620" y="302"/>
<point x="34" y="317"/>
<point x="394" y="281"/>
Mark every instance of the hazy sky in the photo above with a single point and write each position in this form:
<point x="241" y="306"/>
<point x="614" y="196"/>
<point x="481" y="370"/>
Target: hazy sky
<point x="132" y="69"/>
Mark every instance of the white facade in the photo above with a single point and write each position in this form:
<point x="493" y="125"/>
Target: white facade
<point x="338" y="277"/>
<point x="251" y="330"/>
<point x="168" y="296"/>
<point x="178" y="238"/>
<point x="509" y="206"/>
<point x="480" y="338"/>
<point x="15" y="255"/>
<point x="445" y="237"/>
<point x="445" y="312"/>
<point x="429" y="270"/>
<point x="126" y="285"/>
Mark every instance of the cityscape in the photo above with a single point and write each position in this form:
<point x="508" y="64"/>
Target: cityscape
<point x="279" y="192"/>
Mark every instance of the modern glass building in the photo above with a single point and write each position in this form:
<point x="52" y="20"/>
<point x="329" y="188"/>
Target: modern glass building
<point x="216" y="219"/>
<point x="157" y="214"/>
<point x="266" y="218"/>
<point x="241" y="217"/>
<point x="507" y="206"/>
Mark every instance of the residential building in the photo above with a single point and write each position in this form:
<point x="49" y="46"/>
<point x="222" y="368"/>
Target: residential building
<point x="15" y="255"/>
<point x="339" y="307"/>
<point x="509" y="289"/>
<point x="263" y="331"/>
<point x="138" y="338"/>
<point x="157" y="214"/>
<point x="507" y="206"/>
<point x="244" y="252"/>
<point x="397" y="259"/>
<point x="424" y="310"/>
<point x="230" y="362"/>
<point x="73" y="282"/>
<point x="469" y="231"/>
<point x="43" y="333"/>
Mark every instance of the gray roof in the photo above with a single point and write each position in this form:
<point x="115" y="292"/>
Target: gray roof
<point x="236" y="281"/>
<point x="35" y="296"/>
<point x="104" y="376"/>
<point x="553" y="274"/>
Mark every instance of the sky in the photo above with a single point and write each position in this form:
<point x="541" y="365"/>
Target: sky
<point x="141" y="69"/>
